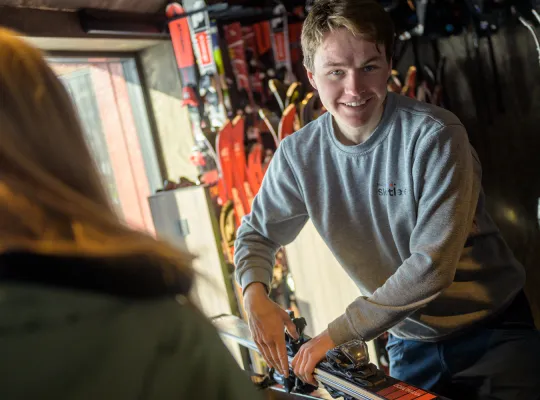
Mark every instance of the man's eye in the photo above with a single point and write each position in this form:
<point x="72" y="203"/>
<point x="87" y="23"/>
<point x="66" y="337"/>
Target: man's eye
<point x="369" y="68"/>
<point x="336" y="72"/>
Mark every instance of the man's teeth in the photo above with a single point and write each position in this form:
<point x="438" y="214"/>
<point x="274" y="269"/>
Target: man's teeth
<point x="356" y="103"/>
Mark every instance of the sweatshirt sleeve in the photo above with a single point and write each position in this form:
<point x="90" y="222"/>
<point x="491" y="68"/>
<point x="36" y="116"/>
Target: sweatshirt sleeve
<point x="447" y="192"/>
<point x="278" y="213"/>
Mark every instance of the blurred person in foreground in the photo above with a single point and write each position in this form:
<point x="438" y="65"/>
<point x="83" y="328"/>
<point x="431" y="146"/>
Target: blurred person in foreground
<point x="89" y="308"/>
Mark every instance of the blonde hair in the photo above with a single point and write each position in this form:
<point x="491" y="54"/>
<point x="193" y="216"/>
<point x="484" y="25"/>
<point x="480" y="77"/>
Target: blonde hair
<point x="364" y="18"/>
<point x="52" y="199"/>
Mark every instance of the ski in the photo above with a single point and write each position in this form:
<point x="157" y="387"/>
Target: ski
<point x="295" y="32"/>
<point x="409" y="89"/>
<point x="272" y="123"/>
<point x="224" y="150"/>
<point x="280" y="45"/>
<point x="241" y="185"/>
<point x="309" y="109"/>
<point x="183" y="51"/>
<point x="219" y="59"/>
<point x="254" y="171"/>
<point x="294" y="94"/>
<point x="279" y="90"/>
<point x="256" y="74"/>
<point x="235" y="43"/>
<point x="288" y="123"/>
<point x="346" y="372"/>
<point x="201" y="36"/>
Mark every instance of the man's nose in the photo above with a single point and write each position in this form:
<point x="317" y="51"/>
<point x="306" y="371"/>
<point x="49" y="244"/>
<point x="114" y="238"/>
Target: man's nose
<point x="354" y="84"/>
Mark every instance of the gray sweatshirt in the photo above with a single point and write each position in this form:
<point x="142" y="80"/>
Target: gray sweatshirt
<point x="404" y="215"/>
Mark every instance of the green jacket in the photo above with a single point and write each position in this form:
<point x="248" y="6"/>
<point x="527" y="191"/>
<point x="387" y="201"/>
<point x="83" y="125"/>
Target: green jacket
<point x="74" y="338"/>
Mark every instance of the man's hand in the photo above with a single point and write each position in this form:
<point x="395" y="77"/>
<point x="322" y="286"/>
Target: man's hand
<point x="309" y="355"/>
<point x="267" y="321"/>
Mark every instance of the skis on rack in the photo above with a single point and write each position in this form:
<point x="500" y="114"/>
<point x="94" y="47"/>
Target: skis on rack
<point x="209" y="87"/>
<point x="219" y="59"/>
<point x="280" y="45"/>
<point x="409" y="89"/>
<point x="279" y="90"/>
<point x="294" y="94"/>
<point x="255" y="171"/>
<point x="225" y="147"/>
<point x="309" y="109"/>
<point x="235" y="43"/>
<point x="288" y="123"/>
<point x="272" y="122"/>
<point x="394" y="84"/>
<point x="183" y="50"/>
<point x="241" y="184"/>
<point x="346" y="372"/>
<point x="295" y="32"/>
<point x="255" y="69"/>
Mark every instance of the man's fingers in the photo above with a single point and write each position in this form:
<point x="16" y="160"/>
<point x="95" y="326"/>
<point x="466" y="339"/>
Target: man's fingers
<point x="265" y="352"/>
<point x="269" y="356"/>
<point x="310" y="367"/>
<point x="291" y="327"/>
<point x="281" y="350"/>
<point x="298" y="361"/>
<point x="283" y="359"/>
<point x="294" y="361"/>
<point x="304" y="371"/>
<point x="303" y="366"/>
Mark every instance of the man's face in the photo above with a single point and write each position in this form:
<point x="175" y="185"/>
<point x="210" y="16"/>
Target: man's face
<point x="350" y="75"/>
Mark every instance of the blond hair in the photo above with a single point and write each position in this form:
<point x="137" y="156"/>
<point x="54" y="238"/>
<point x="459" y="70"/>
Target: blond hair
<point x="52" y="199"/>
<point x="364" y="18"/>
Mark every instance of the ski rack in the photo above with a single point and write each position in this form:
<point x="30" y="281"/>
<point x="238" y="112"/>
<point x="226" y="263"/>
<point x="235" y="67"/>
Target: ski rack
<point x="223" y="12"/>
<point x="129" y="24"/>
<point x="211" y="8"/>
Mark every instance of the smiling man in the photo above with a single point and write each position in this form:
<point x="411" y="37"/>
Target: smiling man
<point x="394" y="188"/>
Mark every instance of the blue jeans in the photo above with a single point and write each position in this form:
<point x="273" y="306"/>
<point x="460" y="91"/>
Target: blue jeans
<point x="496" y="362"/>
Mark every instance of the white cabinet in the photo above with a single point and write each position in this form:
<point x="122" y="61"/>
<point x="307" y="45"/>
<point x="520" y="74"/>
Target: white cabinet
<point x="185" y="218"/>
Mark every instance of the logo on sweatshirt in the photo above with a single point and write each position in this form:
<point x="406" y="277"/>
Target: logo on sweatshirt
<point x="390" y="189"/>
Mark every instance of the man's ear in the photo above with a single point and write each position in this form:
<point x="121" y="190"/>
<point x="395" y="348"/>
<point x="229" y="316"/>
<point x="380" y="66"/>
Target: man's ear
<point x="310" y="77"/>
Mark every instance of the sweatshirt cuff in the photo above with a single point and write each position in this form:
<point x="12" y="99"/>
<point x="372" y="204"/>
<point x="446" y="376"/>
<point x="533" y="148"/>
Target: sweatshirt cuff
<point x="342" y="331"/>
<point x="256" y="274"/>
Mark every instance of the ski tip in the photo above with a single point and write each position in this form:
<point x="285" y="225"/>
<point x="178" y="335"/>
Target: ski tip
<point x="173" y="9"/>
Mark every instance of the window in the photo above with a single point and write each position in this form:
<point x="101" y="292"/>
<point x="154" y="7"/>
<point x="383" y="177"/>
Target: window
<point x="108" y="97"/>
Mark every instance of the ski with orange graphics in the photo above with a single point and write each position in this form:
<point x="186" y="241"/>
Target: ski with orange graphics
<point x="255" y="172"/>
<point x="288" y="124"/>
<point x="241" y="184"/>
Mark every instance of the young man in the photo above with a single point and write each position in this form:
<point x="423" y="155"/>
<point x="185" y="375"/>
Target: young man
<point x="393" y="187"/>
